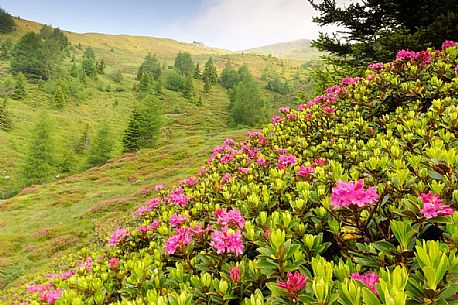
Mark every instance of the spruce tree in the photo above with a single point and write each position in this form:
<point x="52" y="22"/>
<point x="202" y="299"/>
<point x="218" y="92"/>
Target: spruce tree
<point x="88" y="62"/>
<point x="5" y="118"/>
<point x="83" y="142"/>
<point x="150" y="65"/>
<point x="184" y="63"/>
<point x="132" y="137"/>
<point x="27" y="57"/>
<point x="188" y="90"/>
<point x="197" y="74"/>
<point x="100" y="66"/>
<point x="20" y="87"/>
<point x="7" y="24"/>
<point x="150" y="121"/>
<point x="229" y="77"/>
<point x="40" y="161"/>
<point x="101" y="148"/>
<point x="59" y="97"/>
<point x="209" y="76"/>
<point x="5" y="48"/>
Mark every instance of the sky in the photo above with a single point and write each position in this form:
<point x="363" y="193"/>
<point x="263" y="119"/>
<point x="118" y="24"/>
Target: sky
<point x="229" y="24"/>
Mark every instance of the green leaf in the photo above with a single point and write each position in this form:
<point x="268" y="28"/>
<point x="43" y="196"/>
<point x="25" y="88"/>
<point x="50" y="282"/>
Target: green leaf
<point x="369" y="297"/>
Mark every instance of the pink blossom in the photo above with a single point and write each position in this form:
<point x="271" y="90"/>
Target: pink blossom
<point x="447" y="44"/>
<point x="406" y="55"/>
<point x="203" y="171"/>
<point x="309" y="116"/>
<point x="199" y="229"/>
<point x="228" y="241"/>
<point x="305" y="171"/>
<point x="178" y="197"/>
<point x="39" y="288"/>
<point x="276" y="119"/>
<point x="261" y="161"/>
<point x="50" y="296"/>
<point x="350" y="80"/>
<point x="243" y="170"/>
<point x="63" y="275"/>
<point x="262" y="140"/>
<point x="114" y="263"/>
<point x="319" y="162"/>
<point x="301" y="107"/>
<point x="292" y="116"/>
<point x="254" y="134"/>
<point x="287" y="160"/>
<point x="178" y="220"/>
<point x="230" y="219"/>
<point x="87" y="265"/>
<point x="328" y="110"/>
<point x="235" y="274"/>
<point x="353" y="193"/>
<point x="283" y="109"/>
<point x="191" y="181"/>
<point x="226" y="177"/>
<point x="294" y="283"/>
<point x="148" y="208"/>
<point x="159" y="187"/>
<point x="177" y="241"/>
<point x="370" y="77"/>
<point x="433" y="207"/>
<point x="153" y="226"/>
<point x="376" y="66"/>
<point x="368" y="279"/>
<point x="118" y="236"/>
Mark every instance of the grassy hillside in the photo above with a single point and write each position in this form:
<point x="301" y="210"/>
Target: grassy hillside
<point x="298" y="50"/>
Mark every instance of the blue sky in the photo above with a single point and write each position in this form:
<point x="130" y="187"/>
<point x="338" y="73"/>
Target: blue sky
<point x="231" y="24"/>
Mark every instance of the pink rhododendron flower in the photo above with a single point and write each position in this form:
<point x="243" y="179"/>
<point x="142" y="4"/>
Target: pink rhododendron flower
<point x="153" y="226"/>
<point x="406" y="55"/>
<point x="368" y="279"/>
<point x="353" y="193"/>
<point x="178" y="197"/>
<point x="283" y="109"/>
<point x="159" y="187"/>
<point x="231" y="218"/>
<point x="178" y="220"/>
<point x="287" y="160"/>
<point x="447" y="44"/>
<point x="301" y="107"/>
<point x="305" y="171"/>
<point x="261" y="161"/>
<point x="235" y="274"/>
<point x="50" y="296"/>
<point x="117" y="236"/>
<point x="114" y="263"/>
<point x="309" y="116"/>
<point x="376" y="66"/>
<point x="191" y="181"/>
<point x="276" y="119"/>
<point x="227" y="240"/>
<point x="319" y="162"/>
<point x="203" y="171"/>
<point x="175" y="242"/>
<point x="64" y="275"/>
<point x="243" y="170"/>
<point x="294" y="283"/>
<point x="147" y="209"/>
<point x="433" y="207"/>
<point x="328" y="110"/>
<point x="350" y="80"/>
<point x="226" y="177"/>
<point x="39" y="288"/>
<point x="87" y="265"/>
<point x="199" y="229"/>
<point x="292" y="116"/>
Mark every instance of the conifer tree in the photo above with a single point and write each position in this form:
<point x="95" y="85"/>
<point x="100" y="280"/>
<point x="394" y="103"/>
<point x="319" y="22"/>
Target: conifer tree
<point x="7" y="24"/>
<point x="229" y="77"/>
<point x="5" y="118"/>
<point x="184" y="63"/>
<point x="88" y="62"/>
<point x="197" y="74"/>
<point x="5" y="48"/>
<point x="59" y="96"/>
<point x="83" y="142"/>
<point x="150" y="121"/>
<point x="100" y="66"/>
<point x="209" y="76"/>
<point x="188" y="90"/>
<point x="102" y="147"/>
<point x="40" y="160"/>
<point x="27" y="57"/>
<point x="150" y="65"/>
<point x="20" y="87"/>
<point x="132" y="137"/>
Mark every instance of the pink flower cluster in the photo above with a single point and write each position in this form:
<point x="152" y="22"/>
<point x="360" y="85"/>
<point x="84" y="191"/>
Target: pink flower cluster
<point x="231" y="219"/>
<point x="350" y="80"/>
<point x="376" y="66"/>
<point x="433" y="207"/>
<point x="447" y="44"/>
<point x="191" y="181"/>
<point x="46" y="292"/>
<point x="180" y="239"/>
<point x="117" y="236"/>
<point x="64" y="275"/>
<point x="276" y="119"/>
<point x="235" y="274"/>
<point x="149" y="207"/>
<point x="286" y="160"/>
<point x="152" y="226"/>
<point x="178" y="197"/>
<point x="353" y="193"/>
<point x="305" y="171"/>
<point x="294" y="283"/>
<point x="114" y="263"/>
<point x="283" y="109"/>
<point x="422" y="58"/>
<point x="368" y="279"/>
<point x="178" y="220"/>
<point x="227" y="240"/>
<point x="159" y="187"/>
<point x="87" y="265"/>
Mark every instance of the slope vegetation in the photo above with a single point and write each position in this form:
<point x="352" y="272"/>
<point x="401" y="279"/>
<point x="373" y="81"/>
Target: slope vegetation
<point x="350" y="199"/>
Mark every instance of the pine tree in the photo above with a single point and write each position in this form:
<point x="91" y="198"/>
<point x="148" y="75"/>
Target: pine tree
<point x="83" y="142"/>
<point x="20" y="87"/>
<point x="132" y="137"/>
<point x="229" y="77"/>
<point x="7" y="24"/>
<point x="59" y="96"/>
<point x="150" y="121"/>
<point x="146" y="83"/>
<point x="150" y="65"/>
<point x="88" y="62"/>
<point x="101" y="147"/>
<point x="209" y="76"/>
<point x="188" y="90"/>
<point x="5" y="118"/>
<point x="197" y="74"/>
<point x="40" y="160"/>
<point x="27" y="57"/>
<point x="184" y="63"/>
<point x="100" y="66"/>
<point x="5" y="48"/>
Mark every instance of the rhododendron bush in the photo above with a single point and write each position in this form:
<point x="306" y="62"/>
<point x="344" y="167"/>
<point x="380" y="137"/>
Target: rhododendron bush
<point x="350" y="199"/>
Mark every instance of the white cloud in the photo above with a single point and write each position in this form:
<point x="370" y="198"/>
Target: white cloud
<point x="241" y="24"/>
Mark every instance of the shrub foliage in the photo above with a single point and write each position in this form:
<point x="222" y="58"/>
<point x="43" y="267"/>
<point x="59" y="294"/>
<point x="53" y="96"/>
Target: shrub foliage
<point x="350" y="199"/>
